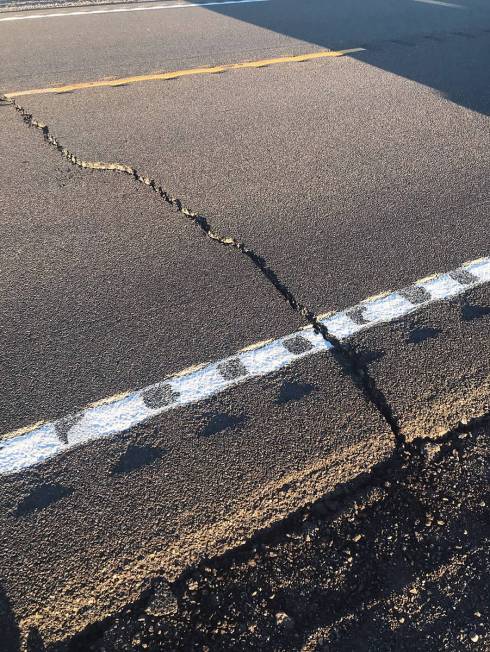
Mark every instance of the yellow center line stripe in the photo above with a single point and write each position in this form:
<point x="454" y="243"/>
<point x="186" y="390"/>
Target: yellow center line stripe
<point x="184" y="73"/>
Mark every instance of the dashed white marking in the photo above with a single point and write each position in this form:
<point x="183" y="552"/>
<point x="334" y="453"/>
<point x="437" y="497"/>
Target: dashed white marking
<point x="442" y="287"/>
<point x="480" y="268"/>
<point x="341" y="326"/>
<point x="29" y="449"/>
<point x="113" y="416"/>
<point x="387" y="308"/>
<point x="123" y="10"/>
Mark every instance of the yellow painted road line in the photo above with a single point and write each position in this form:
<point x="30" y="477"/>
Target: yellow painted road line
<point x="161" y="76"/>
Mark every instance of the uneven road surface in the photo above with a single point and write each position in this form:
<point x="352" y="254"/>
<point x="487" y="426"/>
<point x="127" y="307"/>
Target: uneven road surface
<point x="244" y="298"/>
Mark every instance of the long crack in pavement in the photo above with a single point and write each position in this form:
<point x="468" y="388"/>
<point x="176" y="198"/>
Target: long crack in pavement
<point x="374" y="556"/>
<point x="371" y="560"/>
<point x="345" y="355"/>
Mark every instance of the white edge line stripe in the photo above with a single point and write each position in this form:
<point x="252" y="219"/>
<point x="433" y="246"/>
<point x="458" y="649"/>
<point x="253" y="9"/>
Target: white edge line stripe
<point x="441" y="4"/>
<point x="128" y="410"/>
<point x="128" y="10"/>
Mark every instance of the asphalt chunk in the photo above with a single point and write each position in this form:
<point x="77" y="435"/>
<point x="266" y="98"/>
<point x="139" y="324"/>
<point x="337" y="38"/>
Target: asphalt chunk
<point x="232" y="369"/>
<point x="159" y="396"/>
<point x="297" y="345"/>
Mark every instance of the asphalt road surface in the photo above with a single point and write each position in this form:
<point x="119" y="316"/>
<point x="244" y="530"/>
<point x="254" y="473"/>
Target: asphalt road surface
<point x="244" y="270"/>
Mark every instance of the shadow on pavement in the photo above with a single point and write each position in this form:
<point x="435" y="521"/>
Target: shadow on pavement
<point x="9" y="631"/>
<point x="444" y="47"/>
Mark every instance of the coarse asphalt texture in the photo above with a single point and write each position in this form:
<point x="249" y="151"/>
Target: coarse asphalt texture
<point x="338" y="503"/>
<point x="399" y="562"/>
<point x="191" y="483"/>
<point x="106" y="288"/>
<point x="322" y="167"/>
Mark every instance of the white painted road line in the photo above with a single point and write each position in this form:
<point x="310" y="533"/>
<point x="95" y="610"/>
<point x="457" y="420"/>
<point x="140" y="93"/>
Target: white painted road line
<point x="123" y="10"/>
<point x="441" y="4"/>
<point x="22" y="449"/>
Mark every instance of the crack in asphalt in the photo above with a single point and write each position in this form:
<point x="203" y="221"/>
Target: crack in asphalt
<point x="446" y="445"/>
<point x="345" y="355"/>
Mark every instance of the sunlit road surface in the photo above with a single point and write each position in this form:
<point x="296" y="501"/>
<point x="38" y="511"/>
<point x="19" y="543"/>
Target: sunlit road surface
<point x="244" y="262"/>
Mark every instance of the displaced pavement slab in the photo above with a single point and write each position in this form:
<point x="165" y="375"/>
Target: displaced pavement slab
<point x="83" y="534"/>
<point x="104" y="288"/>
<point x="400" y="563"/>
<point x="348" y="180"/>
<point x="433" y="366"/>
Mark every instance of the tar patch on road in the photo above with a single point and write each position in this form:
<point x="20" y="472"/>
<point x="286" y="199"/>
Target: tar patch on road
<point x="420" y="334"/>
<point x="369" y="357"/>
<point x="8" y="626"/>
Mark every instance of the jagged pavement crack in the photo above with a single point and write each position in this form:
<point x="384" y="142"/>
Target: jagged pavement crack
<point x="326" y="508"/>
<point x="345" y="355"/>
